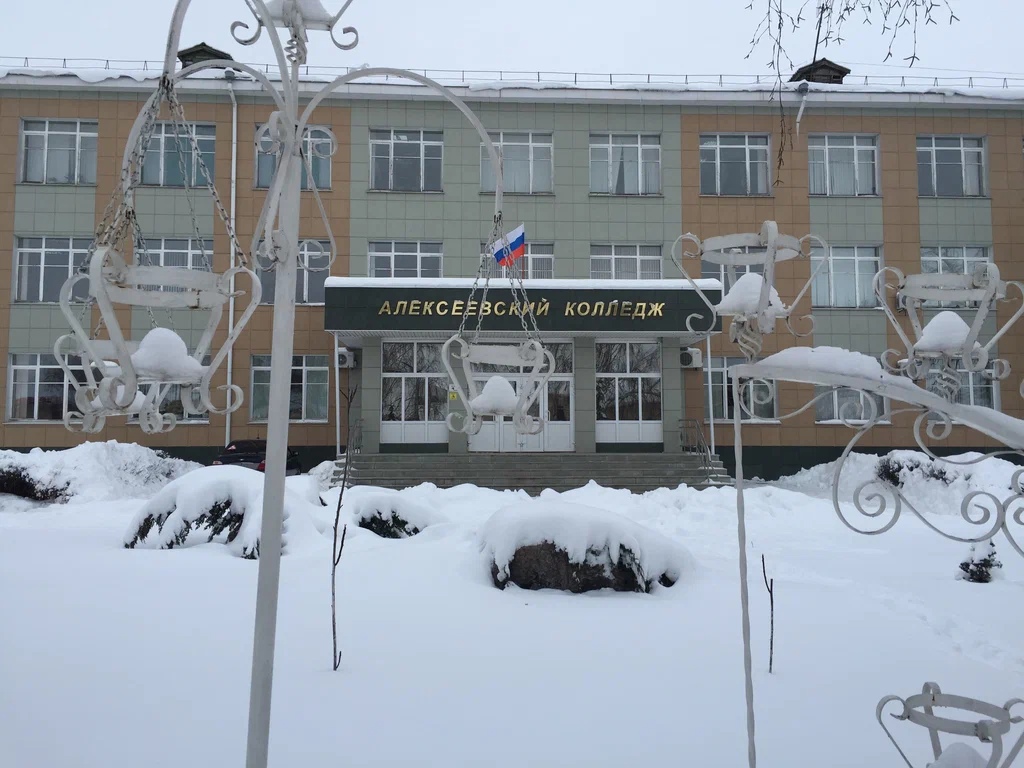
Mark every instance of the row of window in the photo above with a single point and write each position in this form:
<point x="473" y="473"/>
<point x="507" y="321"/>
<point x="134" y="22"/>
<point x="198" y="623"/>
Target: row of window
<point x="414" y="387"/>
<point x="43" y="264"/>
<point x="64" y="152"/>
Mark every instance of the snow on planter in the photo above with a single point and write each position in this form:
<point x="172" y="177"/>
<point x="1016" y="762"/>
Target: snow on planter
<point x="744" y="297"/>
<point x="945" y="333"/>
<point x="163" y="355"/>
<point x="220" y="503"/>
<point x="92" y="471"/>
<point x="391" y="515"/>
<point x="497" y="397"/>
<point x="576" y="548"/>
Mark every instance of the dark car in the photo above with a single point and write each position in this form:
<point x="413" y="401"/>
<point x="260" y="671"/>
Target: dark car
<point x="253" y="454"/>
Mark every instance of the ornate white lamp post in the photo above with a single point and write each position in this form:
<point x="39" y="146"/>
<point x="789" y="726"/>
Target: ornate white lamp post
<point x="276" y="245"/>
<point x="946" y="341"/>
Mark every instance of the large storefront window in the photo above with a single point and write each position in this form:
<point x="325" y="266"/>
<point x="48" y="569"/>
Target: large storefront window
<point x="414" y="393"/>
<point x="628" y="392"/>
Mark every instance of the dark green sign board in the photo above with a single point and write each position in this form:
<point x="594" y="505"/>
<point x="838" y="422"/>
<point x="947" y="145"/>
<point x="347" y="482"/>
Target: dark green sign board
<point x="637" y="310"/>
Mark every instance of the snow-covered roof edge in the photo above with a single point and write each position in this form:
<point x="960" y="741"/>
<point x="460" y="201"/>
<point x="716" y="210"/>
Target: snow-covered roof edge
<point x="847" y="94"/>
<point x="705" y="284"/>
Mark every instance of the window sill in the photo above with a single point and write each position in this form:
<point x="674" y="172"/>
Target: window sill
<point x="518" y="194"/>
<point x="766" y="196"/>
<point x="304" y="189"/>
<point x="954" y="197"/>
<point x="90" y="185"/>
<point x="814" y="196"/>
<point x="405" y="191"/>
<point x="653" y="195"/>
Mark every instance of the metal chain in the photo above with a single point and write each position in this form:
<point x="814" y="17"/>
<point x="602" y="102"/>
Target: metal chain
<point x="187" y="180"/>
<point x="179" y="113"/>
<point x="480" y="273"/>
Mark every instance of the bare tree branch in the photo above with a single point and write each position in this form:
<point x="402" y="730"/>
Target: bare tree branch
<point x="338" y="545"/>
<point x="896" y="18"/>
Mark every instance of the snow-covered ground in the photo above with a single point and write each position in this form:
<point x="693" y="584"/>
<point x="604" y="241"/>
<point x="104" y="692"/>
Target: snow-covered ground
<point x="113" y="658"/>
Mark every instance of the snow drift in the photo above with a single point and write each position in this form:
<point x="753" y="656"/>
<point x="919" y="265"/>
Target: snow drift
<point x="89" y="472"/>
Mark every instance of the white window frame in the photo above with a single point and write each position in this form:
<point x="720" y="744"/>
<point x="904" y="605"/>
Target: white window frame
<point x="750" y="149"/>
<point x="420" y="254"/>
<point x="390" y="144"/>
<point x="615" y="255"/>
<point x="303" y="277"/>
<point x="972" y="381"/>
<point x="648" y="144"/>
<point x="868" y="257"/>
<point x="926" y="145"/>
<point x="536" y="142"/>
<point x="158" y="251"/>
<point x="162" y="142"/>
<point x="37" y="366"/>
<point x="716" y="374"/>
<point x="86" y="132"/>
<point x="314" y="135"/>
<point x="865" y="183"/>
<point x="66" y="260"/>
<point x="639" y="376"/>
<point x="302" y="363"/>
<point x="417" y="378"/>
<point x="942" y="254"/>
<point x="883" y="409"/>
<point x="538" y="256"/>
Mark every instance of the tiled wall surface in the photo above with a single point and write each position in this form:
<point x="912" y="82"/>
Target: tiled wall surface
<point x="572" y="218"/>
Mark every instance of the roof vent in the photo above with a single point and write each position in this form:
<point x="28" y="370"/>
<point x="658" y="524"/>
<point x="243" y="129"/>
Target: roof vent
<point x="201" y="52"/>
<point x="820" y="71"/>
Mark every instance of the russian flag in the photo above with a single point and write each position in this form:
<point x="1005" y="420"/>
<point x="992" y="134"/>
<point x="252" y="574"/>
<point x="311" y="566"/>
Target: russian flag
<point x="516" y="247"/>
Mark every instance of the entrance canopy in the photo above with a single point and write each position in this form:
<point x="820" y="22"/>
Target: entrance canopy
<point x="361" y="307"/>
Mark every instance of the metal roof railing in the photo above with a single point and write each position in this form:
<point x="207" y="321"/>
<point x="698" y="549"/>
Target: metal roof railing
<point x="574" y="79"/>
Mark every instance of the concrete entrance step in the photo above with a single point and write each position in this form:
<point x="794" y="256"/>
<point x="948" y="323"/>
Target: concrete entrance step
<point x="534" y="472"/>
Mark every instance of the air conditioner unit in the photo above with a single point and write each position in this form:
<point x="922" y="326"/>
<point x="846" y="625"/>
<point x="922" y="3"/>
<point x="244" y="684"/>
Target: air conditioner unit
<point x="691" y="357"/>
<point x="347" y="358"/>
<point x="901" y="302"/>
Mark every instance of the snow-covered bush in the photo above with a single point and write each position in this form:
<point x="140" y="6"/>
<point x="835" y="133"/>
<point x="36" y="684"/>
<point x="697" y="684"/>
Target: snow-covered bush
<point x="980" y="564"/>
<point x="899" y="468"/>
<point x="221" y="503"/>
<point x="391" y="515"/>
<point x="91" y="471"/>
<point x="543" y="544"/>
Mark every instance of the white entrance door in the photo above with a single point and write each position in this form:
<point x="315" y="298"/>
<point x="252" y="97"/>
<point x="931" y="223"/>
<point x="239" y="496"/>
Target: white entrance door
<point x="556" y="402"/>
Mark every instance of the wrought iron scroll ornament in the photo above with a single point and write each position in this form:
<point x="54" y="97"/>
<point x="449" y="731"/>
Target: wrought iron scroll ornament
<point x="958" y="345"/>
<point x="750" y="251"/>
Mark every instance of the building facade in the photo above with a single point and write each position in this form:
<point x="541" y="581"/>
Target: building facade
<point x="604" y="181"/>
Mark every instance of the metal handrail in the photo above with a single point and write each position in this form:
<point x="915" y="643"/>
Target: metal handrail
<point x="692" y="441"/>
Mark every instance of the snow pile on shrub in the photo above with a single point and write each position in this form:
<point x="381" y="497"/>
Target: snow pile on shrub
<point x="587" y="535"/>
<point x="392" y="515"/>
<point x="221" y="503"/>
<point x="89" y="472"/>
<point x="931" y="485"/>
<point x="744" y="297"/>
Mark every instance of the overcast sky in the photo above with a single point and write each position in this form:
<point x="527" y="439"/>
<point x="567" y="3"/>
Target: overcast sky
<point x="636" y="36"/>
